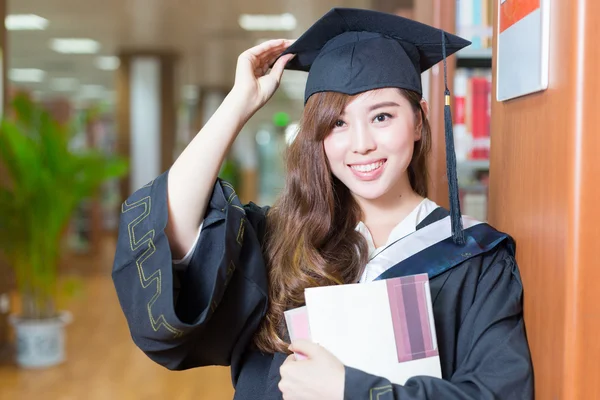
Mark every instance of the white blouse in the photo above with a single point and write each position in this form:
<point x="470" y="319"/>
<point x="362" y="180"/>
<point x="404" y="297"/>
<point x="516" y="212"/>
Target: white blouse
<point x="408" y="225"/>
<point x="374" y="267"/>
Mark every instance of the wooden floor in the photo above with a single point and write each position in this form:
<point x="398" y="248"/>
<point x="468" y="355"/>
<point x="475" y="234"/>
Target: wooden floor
<point x="102" y="361"/>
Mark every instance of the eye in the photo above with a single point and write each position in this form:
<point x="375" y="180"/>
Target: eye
<point x="339" y="123"/>
<point x="382" y="117"/>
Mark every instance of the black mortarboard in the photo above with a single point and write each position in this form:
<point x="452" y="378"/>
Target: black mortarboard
<point x="352" y="50"/>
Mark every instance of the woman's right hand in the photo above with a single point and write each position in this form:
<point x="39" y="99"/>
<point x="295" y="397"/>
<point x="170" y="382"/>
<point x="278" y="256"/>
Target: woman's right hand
<point x="253" y="85"/>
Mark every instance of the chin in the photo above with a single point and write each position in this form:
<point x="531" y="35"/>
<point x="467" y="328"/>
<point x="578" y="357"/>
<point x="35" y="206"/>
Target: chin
<point x="368" y="192"/>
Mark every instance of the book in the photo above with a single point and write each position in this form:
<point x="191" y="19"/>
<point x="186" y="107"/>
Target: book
<point x="298" y="326"/>
<point x="385" y="328"/>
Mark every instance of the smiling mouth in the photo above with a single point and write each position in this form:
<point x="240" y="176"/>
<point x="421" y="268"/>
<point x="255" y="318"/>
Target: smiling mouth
<point x="366" y="168"/>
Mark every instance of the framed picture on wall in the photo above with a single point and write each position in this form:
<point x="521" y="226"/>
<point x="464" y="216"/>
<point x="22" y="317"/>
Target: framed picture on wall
<point x="523" y="47"/>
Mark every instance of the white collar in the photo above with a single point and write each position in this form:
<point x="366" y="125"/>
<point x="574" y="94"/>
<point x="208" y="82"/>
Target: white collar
<point x="405" y="227"/>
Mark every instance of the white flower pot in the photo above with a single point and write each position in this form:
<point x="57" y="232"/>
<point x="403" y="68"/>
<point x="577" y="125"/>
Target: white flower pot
<point x="40" y="342"/>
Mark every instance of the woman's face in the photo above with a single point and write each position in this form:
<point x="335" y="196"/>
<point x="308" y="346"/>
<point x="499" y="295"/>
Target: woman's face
<point x="371" y="145"/>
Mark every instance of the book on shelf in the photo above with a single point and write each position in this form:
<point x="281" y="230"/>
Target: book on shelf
<point x="472" y="127"/>
<point x="472" y="106"/>
<point x="474" y="19"/>
<point x="472" y="113"/>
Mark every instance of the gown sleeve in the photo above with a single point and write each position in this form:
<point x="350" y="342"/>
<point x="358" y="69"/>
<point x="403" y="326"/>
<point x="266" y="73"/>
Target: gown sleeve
<point x="493" y="359"/>
<point x="207" y="312"/>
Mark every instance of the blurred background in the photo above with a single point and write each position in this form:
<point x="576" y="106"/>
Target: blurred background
<point x="130" y="82"/>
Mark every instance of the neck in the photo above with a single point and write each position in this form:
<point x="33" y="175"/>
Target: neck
<point x="391" y="208"/>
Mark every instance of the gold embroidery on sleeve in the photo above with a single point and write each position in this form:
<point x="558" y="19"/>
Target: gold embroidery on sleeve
<point x="379" y="391"/>
<point x="232" y="196"/>
<point x="229" y="273"/>
<point x="147" y="240"/>
<point x="240" y="235"/>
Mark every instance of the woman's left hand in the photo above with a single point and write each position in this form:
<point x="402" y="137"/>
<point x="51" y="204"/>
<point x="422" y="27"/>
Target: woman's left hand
<point x="320" y="376"/>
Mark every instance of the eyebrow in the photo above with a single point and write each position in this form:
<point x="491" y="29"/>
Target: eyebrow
<point x="380" y="105"/>
<point x="383" y="104"/>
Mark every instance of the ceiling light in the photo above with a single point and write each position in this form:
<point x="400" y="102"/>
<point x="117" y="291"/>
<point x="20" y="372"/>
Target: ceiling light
<point x="26" y="75"/>
<point x="108" y="63"/>
<point x="64" y="84"/>
<point x="258" y="22"/>
<point x="25" y="22"/>
<point x="75" y="46"/>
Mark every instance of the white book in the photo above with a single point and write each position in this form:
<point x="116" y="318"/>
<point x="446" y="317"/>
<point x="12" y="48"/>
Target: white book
<point x="385" y="328"/>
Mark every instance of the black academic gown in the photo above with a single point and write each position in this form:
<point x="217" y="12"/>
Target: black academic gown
<point x="207" y="313"/>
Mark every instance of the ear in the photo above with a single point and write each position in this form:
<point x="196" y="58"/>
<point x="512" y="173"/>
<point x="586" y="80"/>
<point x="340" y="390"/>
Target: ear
<point x="424" y="114"/>
<point x="425" y="107"/>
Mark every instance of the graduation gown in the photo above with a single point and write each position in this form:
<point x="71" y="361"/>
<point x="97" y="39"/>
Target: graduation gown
<point x="208" y="312"/>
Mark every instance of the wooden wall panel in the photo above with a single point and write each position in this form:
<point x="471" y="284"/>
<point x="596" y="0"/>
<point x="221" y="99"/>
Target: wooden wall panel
<point x="582" y="347"/>
<point x="541" y="192"/>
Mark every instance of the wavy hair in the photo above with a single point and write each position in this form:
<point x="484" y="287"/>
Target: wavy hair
<point x="311" y="238"/>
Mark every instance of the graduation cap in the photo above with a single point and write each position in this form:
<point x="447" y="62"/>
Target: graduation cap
<point x="352" y="51"/>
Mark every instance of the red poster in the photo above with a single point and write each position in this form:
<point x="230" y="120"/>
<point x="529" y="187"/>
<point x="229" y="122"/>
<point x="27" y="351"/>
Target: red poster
<point x="512" y="11"/>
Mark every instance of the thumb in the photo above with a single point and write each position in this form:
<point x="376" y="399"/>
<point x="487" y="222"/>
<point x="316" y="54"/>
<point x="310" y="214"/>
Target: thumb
<point x="306" y="347"/>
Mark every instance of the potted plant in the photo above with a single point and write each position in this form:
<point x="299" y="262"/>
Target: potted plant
<point x="47" y="180"/>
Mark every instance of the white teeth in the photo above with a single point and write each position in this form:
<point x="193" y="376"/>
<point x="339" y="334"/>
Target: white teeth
<point x="367" y="167"/>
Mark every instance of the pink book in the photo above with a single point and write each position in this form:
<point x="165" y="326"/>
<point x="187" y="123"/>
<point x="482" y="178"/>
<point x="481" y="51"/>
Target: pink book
<point x="297" y="325"/>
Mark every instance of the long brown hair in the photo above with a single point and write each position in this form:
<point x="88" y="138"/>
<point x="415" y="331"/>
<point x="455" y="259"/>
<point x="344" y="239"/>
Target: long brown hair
<point x="311" y="238"/>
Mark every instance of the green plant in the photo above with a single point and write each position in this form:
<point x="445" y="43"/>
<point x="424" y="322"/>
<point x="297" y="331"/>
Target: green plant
<point x="46" y="181"/>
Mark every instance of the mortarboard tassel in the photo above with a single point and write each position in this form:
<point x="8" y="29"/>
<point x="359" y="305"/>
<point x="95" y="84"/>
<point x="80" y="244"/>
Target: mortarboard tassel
<point x="458" y="235"/>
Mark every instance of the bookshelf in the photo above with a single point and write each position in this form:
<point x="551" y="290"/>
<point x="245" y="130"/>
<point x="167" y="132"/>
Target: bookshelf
<point x="474" y="58"/>
<point x="471" y="19"/>
<point x="472" y="104"/>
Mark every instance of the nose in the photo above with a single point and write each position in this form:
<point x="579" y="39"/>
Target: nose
<point x="362" y="139"/>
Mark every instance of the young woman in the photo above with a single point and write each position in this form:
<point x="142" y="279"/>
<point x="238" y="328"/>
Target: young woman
<point x="204" y="279"/>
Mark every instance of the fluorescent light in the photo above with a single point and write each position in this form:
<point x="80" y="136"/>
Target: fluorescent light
<point x="258" y="22"/>
<point x="75" y="46"/>
<point x="64" y="84"/>
<point x="26" y="75"/>
<point x="108" y="63"/>
<point x="25" y="22"/>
